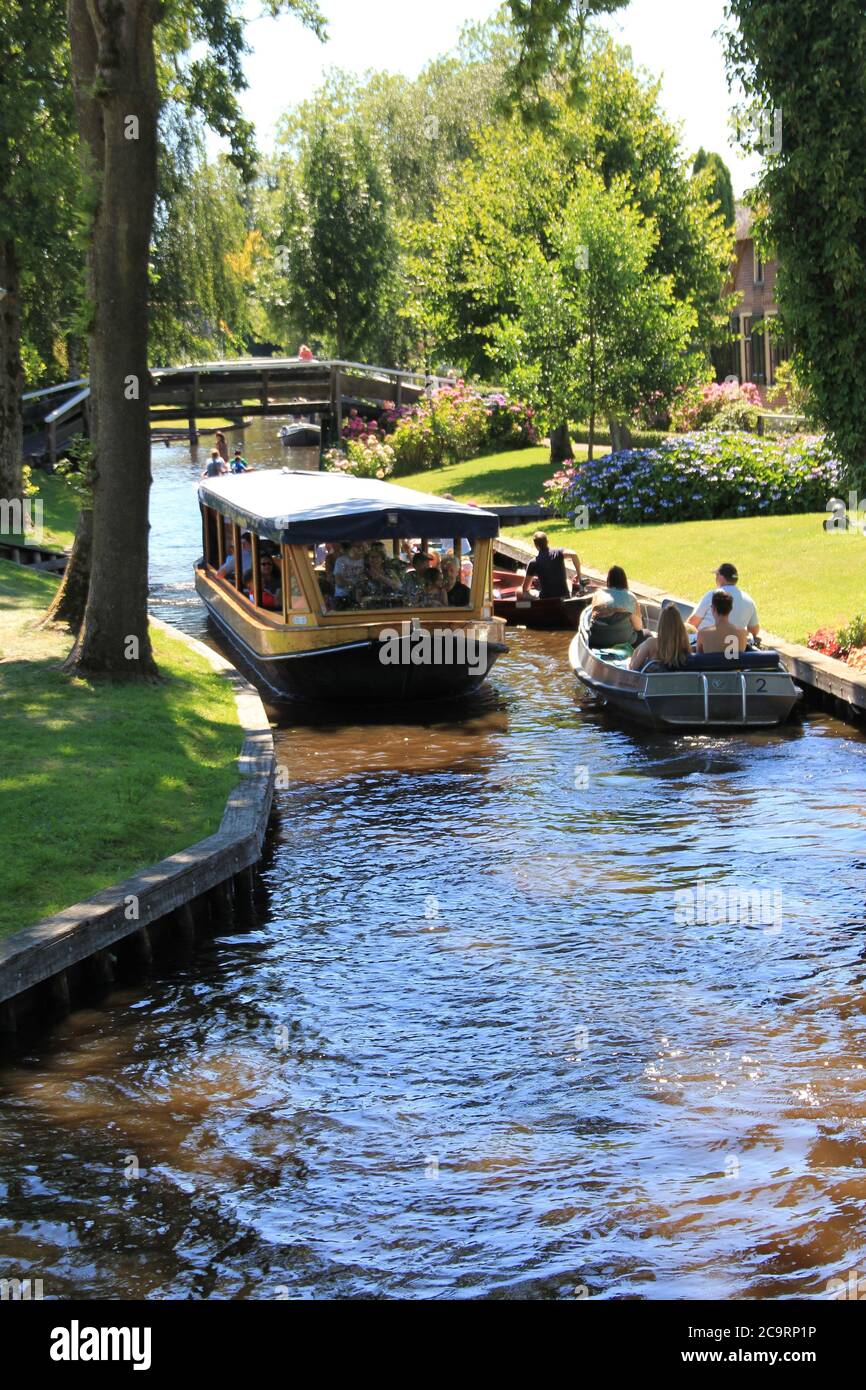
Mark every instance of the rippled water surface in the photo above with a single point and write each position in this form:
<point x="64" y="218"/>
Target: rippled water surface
<point x="472" y="1045"/>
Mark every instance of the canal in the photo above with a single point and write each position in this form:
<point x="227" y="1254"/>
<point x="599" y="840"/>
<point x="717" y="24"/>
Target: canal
<point x="477" y="1042"/>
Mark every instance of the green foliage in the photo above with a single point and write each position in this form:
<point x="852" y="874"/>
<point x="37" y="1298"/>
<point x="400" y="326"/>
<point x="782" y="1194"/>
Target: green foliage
<point x="204" y="269"/>
<point x="596" y="330"/>
<point x="77" y="469"/>
<point x="791" y="394"/>
<point x="716" y="183"/>
<point x="337" y="238"/>
<point x="853" y="634"/>
<point x="807" y="61"/>
<point x="466" y="261"/>
<point x="551" y="36"/>
<point x="456" y="423"/>
<point x="736" y="415"/>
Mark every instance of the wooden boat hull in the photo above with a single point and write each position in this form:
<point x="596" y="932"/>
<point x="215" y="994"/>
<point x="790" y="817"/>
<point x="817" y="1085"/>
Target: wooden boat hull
<point x="543" y="614"/>
<point x="347" y="667"/>
<point x="687" y="699"/>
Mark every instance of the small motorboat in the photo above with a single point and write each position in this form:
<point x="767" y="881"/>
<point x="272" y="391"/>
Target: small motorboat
<point x="546" y="614"/>
<point x="710" y="691"/>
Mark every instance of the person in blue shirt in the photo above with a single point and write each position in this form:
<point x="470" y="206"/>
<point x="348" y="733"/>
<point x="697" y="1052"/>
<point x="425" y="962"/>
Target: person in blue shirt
<point x="239" y="463"/>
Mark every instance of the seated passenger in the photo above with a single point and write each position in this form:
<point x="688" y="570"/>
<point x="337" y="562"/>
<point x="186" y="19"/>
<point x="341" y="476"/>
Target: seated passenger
<point x="615" y="612"/>
<point x="413" y="582"/>
<point x="457" y="591"/>
<point x="671" y="645"/>
<point x="433" y="592"/>
<point x="744" y="612"/>
<point x="227" y="568"/>
<point x="348" y="574"/>
<point x="378" y="583"/>
<point x="272" y="594"/>
<point x="723" y="636"/>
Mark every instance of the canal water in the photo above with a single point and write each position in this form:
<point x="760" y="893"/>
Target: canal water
<point x="536" y="1005"/>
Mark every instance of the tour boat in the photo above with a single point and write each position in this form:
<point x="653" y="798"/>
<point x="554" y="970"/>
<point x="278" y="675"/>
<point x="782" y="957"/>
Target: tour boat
<point x="310" y="639"/>
<point x="710" y="691"/>
<point x="546" y="614"/>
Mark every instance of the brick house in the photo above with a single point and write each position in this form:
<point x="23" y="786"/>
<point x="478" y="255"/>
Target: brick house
<point x="753" y="354"/>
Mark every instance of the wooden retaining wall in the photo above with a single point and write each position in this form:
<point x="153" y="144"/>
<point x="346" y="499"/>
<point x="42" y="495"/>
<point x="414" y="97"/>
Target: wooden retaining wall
<point x="77" y="952"/>
<point x="829" y="683"/>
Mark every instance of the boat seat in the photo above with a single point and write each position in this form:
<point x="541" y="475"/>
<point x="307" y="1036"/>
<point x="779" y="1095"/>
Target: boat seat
<point x="756" y="659"/>
<point x="605" y="633"/>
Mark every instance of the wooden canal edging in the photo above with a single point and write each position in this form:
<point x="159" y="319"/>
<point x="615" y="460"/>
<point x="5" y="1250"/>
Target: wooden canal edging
<point x="75" y="952"/>
<point x="828" y="683"/>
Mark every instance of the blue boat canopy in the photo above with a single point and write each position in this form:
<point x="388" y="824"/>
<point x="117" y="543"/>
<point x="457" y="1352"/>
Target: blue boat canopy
<point x="292" y="507"/>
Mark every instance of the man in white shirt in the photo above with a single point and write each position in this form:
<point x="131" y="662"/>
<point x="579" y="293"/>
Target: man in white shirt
<point x="743" y="614"/>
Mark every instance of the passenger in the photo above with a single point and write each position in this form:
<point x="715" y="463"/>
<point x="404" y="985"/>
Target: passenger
<point x="227" y="568"/>
<point x="412" y="586"/>
<point x="671" y="646"/>
<point x="239" y="463"/>
<point x="349" y="574"/>
<point x="458" y="592"/>
<point x="379" y="583"/>
<point x="725" y="636"/>
<point x="615" y="612"/>
<point x="433" y="592"/>
<point x="744" y="612"/>
<point x="548" y="568"/>
<point x="222" y="446"/>
<point x="272" y="593"/>
<point x="215" y="465"/>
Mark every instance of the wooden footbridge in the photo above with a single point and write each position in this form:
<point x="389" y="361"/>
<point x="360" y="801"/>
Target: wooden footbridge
<point x="234" y="391"/>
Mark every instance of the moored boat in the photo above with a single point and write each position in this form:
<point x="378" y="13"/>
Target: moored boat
<point x="546" y="614"/>
<point x="377" y="639"/>
<point x="710" y="691"/>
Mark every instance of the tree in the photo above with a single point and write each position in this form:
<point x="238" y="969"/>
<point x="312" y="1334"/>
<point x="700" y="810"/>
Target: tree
<point x="597" y="330"/>
<point x="117" y="99"/>
<point x="551" y="36"/>
<point x="338" y="237"/>
<point x="802" y="67"/>
<point x="37" y="209"/>
<point x="716" y="183"/>
<point x="520" y="180"/>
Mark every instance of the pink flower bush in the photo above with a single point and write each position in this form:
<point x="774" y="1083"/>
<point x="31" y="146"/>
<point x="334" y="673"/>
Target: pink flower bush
<point x="697" y="406"/>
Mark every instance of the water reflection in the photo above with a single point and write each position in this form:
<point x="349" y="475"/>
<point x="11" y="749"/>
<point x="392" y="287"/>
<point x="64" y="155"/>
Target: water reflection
<point x="469" y="1049"/>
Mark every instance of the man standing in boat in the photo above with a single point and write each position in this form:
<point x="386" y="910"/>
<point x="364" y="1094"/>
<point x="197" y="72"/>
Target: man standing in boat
<point x="548" y="568"/>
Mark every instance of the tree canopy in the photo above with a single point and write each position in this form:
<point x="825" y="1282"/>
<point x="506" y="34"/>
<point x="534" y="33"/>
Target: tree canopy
<point x="806" y="61"/>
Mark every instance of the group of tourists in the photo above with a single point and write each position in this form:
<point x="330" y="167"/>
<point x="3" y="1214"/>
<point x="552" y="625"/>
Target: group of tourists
<point x="219" y="462"/>
<point x="362" y="574"/>
<point x="724" y="623"/>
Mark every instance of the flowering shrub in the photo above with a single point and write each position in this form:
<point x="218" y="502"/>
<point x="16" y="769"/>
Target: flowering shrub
<point x="365" y="457"/>
<point x="699" y="405"/>
<point x="700" y="476"/>
<point x="456" y="423"/>
<point x="848" y="644"/>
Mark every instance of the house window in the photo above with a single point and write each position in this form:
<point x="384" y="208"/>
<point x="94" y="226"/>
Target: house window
<point x="755" y="351"/>
<point x="759" y="268"/>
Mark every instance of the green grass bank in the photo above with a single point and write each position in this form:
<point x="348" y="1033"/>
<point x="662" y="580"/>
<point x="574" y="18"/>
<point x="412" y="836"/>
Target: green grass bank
<point x="99" y="781"/>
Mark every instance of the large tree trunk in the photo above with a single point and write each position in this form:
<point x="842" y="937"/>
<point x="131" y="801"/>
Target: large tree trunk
<point x="11" y="382"/>
<point x="114" y="80"/>
<point x="69" y="603"/>
<point x="560" y="444"/>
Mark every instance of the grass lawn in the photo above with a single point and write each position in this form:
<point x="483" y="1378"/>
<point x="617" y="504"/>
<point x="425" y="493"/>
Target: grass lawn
<point x="59" y="512"/>
<point x="99" y="781"/>
<point x="800" y="576"/>
<point x="515" y="476"/>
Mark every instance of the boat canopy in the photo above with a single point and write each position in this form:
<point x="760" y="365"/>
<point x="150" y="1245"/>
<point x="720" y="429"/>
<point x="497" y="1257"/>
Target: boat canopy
<point x="293" y="507"/>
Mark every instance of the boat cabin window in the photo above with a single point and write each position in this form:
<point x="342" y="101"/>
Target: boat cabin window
<point x="393" y="574"/>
